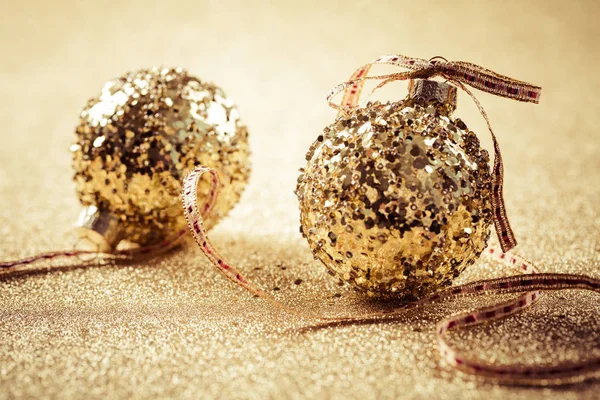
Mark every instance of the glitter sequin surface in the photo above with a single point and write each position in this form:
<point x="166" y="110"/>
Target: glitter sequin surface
<point x="395" y="198"/>
<point x="173" y="326"/>
<point x="136" y="141"/>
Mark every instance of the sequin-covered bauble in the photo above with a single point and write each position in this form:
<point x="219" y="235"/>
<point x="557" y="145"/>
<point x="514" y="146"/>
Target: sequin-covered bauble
<point x="396" y="197"/>
<point x="137" y="140"/>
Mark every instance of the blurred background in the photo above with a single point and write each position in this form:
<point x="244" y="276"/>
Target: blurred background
<point x="65" y="334"/>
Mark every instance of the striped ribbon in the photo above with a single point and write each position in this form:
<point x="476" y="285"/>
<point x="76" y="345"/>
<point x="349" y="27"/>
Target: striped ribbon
<point x="461" y="74"/>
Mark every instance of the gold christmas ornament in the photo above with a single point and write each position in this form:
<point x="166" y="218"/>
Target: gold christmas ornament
<point x="136" y="141"/>
<point x="398" y="198"/>
<point x="395" y="198"/>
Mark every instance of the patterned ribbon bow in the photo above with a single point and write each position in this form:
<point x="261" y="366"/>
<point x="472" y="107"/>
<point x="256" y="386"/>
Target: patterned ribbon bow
<point x="459" y="74"/>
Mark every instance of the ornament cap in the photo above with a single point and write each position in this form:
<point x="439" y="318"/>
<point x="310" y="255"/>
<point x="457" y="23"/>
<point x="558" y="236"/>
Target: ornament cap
<point x="99" y="229"/>
<point x="426" y="90"/>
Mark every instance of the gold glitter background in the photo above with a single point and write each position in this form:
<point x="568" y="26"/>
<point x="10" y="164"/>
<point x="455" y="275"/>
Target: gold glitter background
<point x="173" y="326"/>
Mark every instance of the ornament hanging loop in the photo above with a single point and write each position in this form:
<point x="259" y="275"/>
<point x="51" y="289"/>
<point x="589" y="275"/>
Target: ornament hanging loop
<point x="460" y="74"/>
<point x="436" y="58"/>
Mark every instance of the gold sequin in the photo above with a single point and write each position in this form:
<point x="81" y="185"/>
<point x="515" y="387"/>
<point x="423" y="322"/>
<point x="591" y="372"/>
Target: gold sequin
<point x="142" y="134"/>
<point x="396" y="198"/>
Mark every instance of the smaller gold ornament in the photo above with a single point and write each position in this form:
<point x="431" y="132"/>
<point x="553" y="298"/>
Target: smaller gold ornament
<point x="396" y="197"/>
<point x="136" y="141"/>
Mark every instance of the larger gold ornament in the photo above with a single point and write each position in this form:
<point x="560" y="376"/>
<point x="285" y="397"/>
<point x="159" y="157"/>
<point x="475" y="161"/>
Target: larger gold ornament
<point x="396" y="197"/>
<point x="137" y="140"/>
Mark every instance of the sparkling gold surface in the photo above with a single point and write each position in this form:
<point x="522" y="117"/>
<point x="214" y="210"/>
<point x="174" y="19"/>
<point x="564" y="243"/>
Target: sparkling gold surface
<point x="396" y="198"/>
<point x="136" y="141"/>
<point x="174" y="327"/>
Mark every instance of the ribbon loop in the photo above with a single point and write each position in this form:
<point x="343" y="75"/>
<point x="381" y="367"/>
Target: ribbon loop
<point x="461" y="74"/>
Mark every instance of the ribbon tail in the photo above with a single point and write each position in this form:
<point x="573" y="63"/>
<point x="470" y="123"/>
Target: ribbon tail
<point x="503" y="229"/>
<point x="502" y="225"/>
<point x="194" y="211"/>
